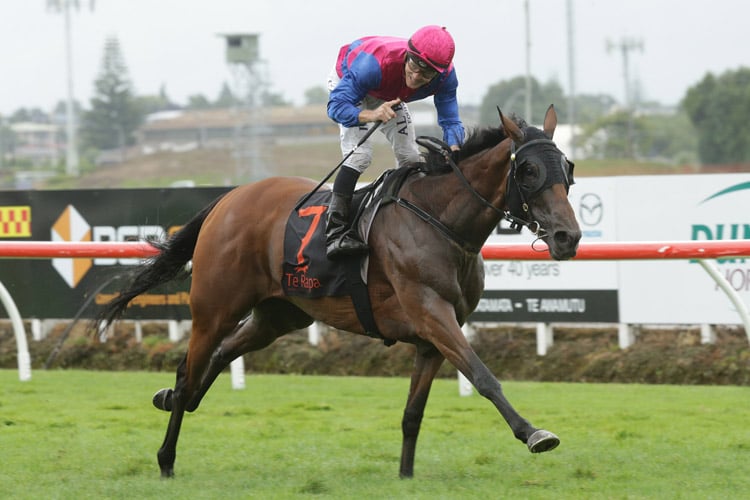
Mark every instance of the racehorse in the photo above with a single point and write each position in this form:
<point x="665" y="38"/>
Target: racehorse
<point x="423" y="279"/>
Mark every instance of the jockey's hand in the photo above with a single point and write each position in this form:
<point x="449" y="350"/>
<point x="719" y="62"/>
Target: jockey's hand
<point x="382" y="113"/>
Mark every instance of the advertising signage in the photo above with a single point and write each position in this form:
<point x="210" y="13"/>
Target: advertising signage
<point x="609" y="209"/>
<point x="57" y="288"/>
<point x="551" y="291"/>
<point x="633" y="208"/>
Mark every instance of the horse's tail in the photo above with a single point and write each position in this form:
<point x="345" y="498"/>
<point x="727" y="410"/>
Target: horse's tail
<point x="167" y="265"/>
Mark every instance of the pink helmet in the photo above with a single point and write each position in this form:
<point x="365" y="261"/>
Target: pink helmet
<point x="434" y="45"/>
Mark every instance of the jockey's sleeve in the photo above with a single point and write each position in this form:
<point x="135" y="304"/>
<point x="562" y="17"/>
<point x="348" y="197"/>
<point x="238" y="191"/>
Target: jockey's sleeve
<point x="362" y="75"/>
<point x="446" y="105"/>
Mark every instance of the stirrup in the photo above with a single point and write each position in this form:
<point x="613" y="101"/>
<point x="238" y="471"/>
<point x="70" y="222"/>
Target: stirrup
<point x="346" y="245"/>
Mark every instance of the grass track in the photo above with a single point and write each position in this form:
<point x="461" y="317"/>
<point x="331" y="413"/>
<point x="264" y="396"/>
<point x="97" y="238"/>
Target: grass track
<point x="78" y="434"/>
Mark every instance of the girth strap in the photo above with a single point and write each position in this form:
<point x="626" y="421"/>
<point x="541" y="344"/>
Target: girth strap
<point x="361" y="298"/>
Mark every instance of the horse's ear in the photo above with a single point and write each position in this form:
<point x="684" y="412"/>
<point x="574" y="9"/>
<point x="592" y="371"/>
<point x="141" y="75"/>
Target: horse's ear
<point x="550" y="121"/>
<point x="511" y="129"/>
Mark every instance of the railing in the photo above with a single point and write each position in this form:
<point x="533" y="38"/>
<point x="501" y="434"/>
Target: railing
<point x="644" y="250"/>
<point x="82" y="249"/>
<point x="629" y="250"/>
<point x="700" y="250"/>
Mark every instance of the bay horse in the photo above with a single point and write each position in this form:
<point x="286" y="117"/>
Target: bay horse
<point x="424" y="279"/>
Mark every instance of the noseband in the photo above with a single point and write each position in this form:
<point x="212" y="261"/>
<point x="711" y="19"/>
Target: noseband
<point x="514" y="190"/>
<point x="518" y="194"/>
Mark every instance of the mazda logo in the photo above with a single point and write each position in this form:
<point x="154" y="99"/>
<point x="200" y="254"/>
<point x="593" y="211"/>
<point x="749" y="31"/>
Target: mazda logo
<point x="591" y="209"/>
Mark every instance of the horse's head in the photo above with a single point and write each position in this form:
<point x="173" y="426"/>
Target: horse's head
<point x="539" y="179"/>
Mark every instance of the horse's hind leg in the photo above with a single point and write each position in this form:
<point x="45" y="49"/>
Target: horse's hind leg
<point x="163" y="398"/>
<point x="185" y="386"/>
<point x="210" y="327"/>
<point x="269" y="320"/>
<point x="426" y="364"/>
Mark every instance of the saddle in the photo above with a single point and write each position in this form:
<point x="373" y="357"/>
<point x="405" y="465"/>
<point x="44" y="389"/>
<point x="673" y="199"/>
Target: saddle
<point x="307" y="272"/>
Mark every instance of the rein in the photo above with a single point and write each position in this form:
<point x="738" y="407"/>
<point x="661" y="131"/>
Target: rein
<point x="516" y="222"/>
<point x="442" y="228"/>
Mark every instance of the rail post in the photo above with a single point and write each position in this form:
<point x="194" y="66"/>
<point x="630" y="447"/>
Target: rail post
<point x="22" y="347"/>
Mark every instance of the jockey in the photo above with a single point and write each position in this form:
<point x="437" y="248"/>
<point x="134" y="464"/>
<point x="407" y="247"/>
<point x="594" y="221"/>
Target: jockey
<point x="372" y="81"/>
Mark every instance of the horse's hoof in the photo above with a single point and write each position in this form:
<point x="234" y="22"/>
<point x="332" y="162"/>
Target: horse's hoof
<point x="542" y="441"/>
<point x="163" y="399"/>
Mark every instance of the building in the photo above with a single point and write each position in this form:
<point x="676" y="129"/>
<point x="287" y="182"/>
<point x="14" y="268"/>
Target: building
<point x="41" y="143"/>
<point x="221" y="128"/>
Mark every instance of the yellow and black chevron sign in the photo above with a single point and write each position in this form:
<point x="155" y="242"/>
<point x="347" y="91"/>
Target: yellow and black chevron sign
<point x="15" y="222"/>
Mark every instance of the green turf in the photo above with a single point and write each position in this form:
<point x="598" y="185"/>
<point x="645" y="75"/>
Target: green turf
<point x="78" y="434"/>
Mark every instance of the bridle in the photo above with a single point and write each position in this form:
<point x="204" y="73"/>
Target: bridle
<point x="517" y="194"/>
<point x="517" y="221"/>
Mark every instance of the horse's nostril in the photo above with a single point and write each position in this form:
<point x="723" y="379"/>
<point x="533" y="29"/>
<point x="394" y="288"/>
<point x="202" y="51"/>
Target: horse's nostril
<point x="565" y="244"/>
<point x="564" y="238"/>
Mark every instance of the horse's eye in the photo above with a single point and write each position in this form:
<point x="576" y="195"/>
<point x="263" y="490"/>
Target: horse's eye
<point x="528" y="174"/>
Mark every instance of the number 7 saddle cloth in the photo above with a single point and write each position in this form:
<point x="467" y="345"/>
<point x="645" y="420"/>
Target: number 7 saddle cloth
<point x="307" y="271"/>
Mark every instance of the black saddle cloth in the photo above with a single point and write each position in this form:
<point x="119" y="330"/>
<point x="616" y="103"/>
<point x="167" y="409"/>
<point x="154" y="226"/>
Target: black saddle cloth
<point x="306" y="270"/>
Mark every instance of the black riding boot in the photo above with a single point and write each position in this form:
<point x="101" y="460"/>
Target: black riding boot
<point x="340" y="240"/>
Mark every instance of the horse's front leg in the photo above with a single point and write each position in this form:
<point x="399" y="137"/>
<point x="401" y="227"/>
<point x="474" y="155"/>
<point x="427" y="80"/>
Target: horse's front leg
<point x="442" y="330"/>
<point x="537" y="440"/>
<point x="427" y="362"/>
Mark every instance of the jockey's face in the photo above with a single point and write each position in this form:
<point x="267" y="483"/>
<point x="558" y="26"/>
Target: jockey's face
<point x="417" y="76"/>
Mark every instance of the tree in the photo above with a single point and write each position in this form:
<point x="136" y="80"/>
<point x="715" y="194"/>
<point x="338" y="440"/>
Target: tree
<point x="270" y="99"/>
<point x="34" y="115"/>
<point x="154" y="103"/>
<point x="668" y="138"/>
<point x="198" y="101"/>
<point x="608" y="136"/>
<point x="115" y="113"/>
<point x="7" y="142"/>
<point x="59" y="112"/>
<point x="226" y="98"/>
<point x="316" y="95"/>
<point x="591" y="107"/>
<point x="719" y="107"/>
<point x="657" y="137"/>
<point x="510" y="96"/>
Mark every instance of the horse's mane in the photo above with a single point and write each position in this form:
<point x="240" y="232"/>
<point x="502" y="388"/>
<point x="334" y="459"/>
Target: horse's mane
<point x="480" y="139"/>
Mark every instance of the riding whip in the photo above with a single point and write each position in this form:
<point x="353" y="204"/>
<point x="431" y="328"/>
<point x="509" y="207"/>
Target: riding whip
<point x="361" y="141"/>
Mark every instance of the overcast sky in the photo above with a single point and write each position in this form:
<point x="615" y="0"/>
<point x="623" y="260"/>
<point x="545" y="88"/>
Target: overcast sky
<point x="176" y="43"/>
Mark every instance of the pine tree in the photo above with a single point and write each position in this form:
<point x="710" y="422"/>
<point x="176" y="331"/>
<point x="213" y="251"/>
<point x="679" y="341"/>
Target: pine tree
<point x="115" y="113"/>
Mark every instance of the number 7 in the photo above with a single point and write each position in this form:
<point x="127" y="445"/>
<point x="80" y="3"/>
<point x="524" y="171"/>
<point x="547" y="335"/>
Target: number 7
<point x="316" y="211"/>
